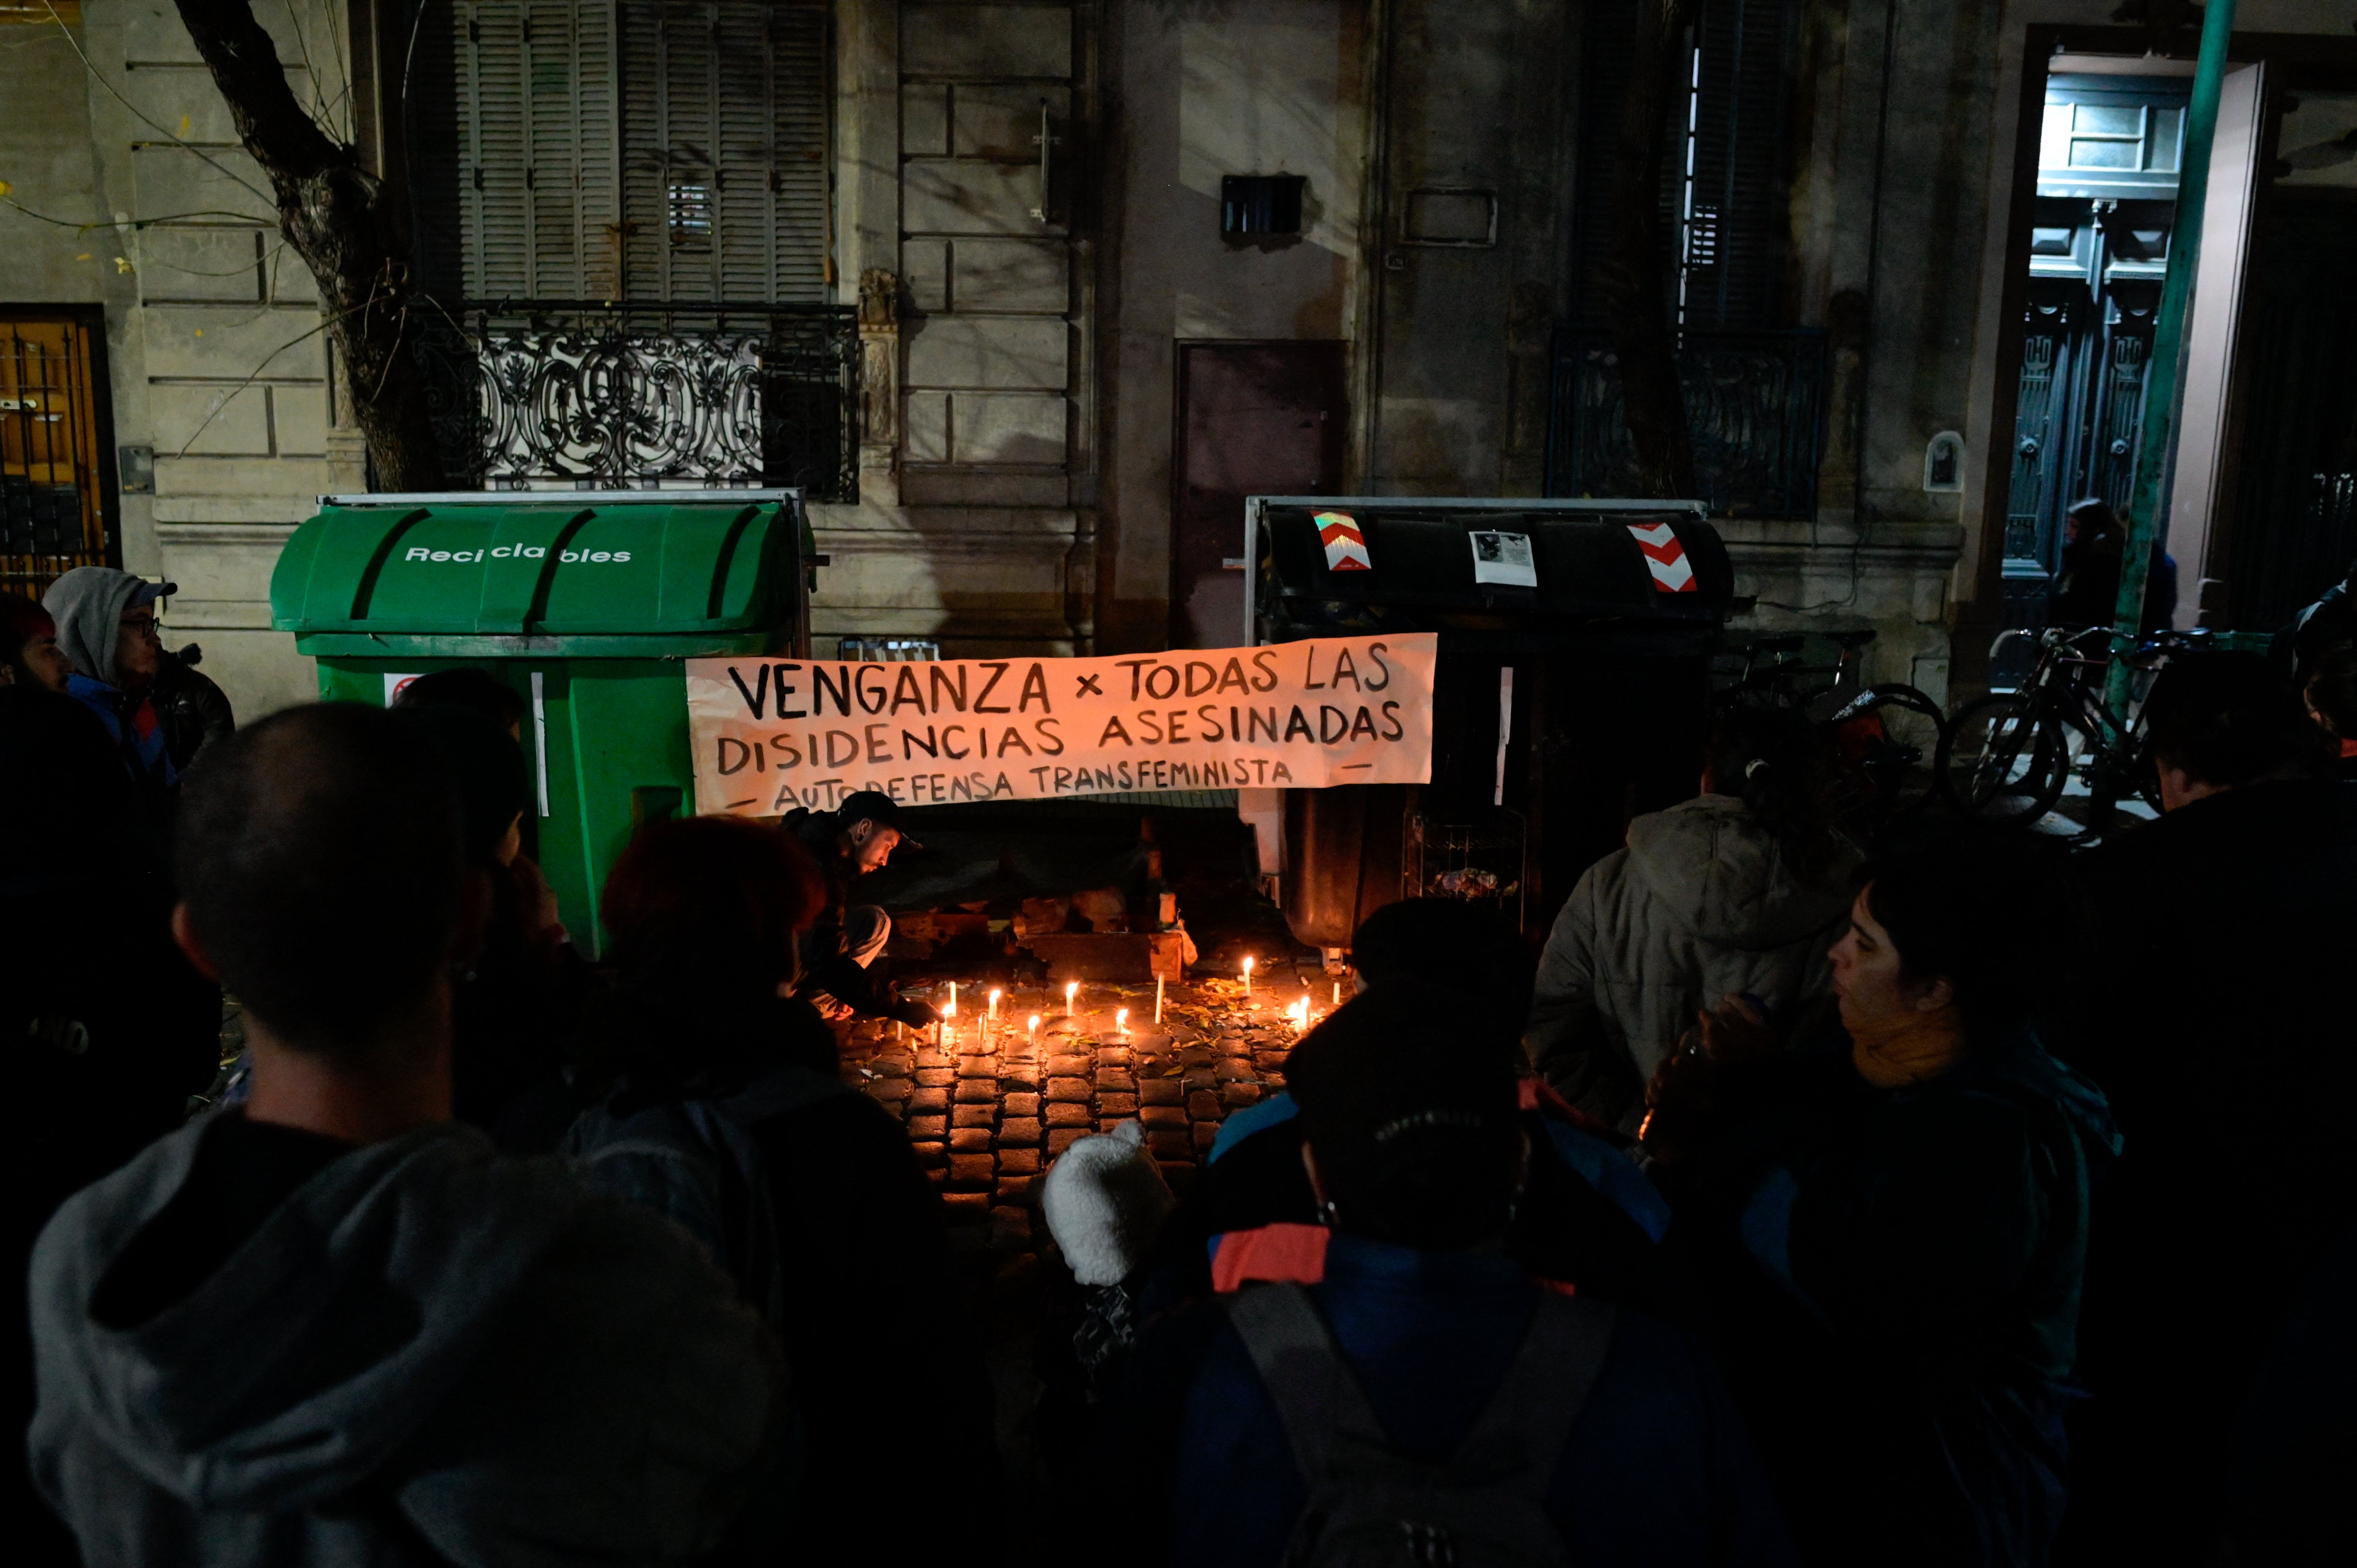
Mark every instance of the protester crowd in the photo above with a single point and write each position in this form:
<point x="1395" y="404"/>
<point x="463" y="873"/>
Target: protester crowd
<point x="1950" y="1197"/>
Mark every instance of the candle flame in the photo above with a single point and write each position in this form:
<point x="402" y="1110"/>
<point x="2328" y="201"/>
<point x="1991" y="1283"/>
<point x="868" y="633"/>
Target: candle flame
<point x="1120" y="1019"/>
<point x="1034" y="1021"/>
<point x="1248" y="963"/>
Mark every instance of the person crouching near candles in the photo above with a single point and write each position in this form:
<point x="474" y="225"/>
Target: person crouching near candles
<point x="1902" y="1213"/>
<point x="726" y="1110"/>
<point x="840" y="950"/>
<point x="1392" y="1368"/>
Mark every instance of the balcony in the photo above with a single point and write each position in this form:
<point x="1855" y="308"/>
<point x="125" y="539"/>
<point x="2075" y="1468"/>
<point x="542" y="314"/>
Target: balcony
<point x="1755" y="408"/>
<point x="603" y="395"/>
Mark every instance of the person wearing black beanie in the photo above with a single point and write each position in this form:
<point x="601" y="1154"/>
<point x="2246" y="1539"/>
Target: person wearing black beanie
<point x="1404" y="1307"/>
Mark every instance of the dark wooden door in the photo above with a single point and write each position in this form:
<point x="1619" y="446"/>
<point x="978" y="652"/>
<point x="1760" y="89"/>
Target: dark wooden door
<point x="1255" y="419"/>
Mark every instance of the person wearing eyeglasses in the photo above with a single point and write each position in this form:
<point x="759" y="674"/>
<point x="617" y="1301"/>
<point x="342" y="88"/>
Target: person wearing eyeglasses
<point x="106" y="626"/>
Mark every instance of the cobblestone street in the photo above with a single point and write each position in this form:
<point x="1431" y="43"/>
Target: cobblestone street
<point x="988" y="1108"/>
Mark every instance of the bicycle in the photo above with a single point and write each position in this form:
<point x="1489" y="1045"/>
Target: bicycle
<point x="2009" y="755"/>
<point x="1885" y="737"/>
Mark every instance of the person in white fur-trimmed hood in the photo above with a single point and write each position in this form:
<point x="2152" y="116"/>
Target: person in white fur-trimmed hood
<point x="1104" y="1201"/>
<point x="1732" y="898"/>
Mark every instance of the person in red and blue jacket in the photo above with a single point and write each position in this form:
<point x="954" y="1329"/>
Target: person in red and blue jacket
<point x="1414" y="1148"/>
<point x="1588" y="1216"/>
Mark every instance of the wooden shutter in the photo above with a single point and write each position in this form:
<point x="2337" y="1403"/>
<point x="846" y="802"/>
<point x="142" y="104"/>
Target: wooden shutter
<point x="1735" y="277"/>
<point x="727" y="98"/>
<point x="1739" y="109"/>
<point x="802" y="164"/>
<point x="539" y="196"/>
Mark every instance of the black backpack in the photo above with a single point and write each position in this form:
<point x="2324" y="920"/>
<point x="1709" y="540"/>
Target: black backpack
<point x="1372" y="1507"/>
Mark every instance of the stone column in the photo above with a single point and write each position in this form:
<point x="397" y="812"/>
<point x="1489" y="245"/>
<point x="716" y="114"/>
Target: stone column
<point x="879" y="386"/>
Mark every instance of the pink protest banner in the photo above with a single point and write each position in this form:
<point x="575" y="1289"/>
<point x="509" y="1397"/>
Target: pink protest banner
<point x="773" y="734"/>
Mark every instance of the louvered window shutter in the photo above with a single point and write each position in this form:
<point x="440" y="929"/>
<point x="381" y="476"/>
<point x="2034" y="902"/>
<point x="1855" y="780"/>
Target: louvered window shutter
<point x="803" y="160"/>
<point x="725" y="180"/>
<point x="1739" y="107"/>
<point x="1735" y="276"/>
<point x="539" y="196"/>
<point x="670" y="150"/>
<point x="491" y="143"/>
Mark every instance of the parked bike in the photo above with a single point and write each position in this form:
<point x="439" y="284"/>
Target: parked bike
<point x="1885" y="737"/>
<point x="2008" y="756"/>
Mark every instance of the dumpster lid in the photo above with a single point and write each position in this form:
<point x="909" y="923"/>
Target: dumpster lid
<point x="1419" y="558"/>
<point x="542" y="562"/>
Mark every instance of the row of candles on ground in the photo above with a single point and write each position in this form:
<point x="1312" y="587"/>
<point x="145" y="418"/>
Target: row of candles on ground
<point x="946" y="1030"/>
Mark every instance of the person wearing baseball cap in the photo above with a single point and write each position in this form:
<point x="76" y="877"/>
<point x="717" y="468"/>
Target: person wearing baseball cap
<point x="838" y="952"/>
<point x="106" y="626"/>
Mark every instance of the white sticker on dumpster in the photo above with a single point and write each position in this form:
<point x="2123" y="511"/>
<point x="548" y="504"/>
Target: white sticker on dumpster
<point x="772" y="734"/>
<point x="1504" y="558"/>
<point x="393" y="683"/>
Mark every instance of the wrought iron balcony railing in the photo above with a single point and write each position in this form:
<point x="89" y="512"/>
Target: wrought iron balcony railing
<point x="1755" y="408"/>
<point x="623" y="395"/>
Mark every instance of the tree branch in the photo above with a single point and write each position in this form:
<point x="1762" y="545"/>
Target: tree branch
<point x="340" y="219"/>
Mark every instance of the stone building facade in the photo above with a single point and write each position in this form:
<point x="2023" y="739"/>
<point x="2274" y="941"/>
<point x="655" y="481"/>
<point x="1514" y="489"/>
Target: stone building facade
<point x="1036" y="317"/>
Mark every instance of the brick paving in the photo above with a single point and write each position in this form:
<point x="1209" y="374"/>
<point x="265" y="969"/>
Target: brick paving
<point x="988" y="1110"/>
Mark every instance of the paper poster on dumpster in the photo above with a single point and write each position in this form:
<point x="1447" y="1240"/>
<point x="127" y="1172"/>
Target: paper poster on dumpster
<point x="772" y="734"/>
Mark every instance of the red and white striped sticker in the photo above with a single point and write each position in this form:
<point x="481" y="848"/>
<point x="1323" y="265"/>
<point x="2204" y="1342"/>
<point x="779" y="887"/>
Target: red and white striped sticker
<point x="1665" y="558"/>
<point x="1346" y="547"/>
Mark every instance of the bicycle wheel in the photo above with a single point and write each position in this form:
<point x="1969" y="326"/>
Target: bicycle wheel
<point x="2000" y="762"/>
<point x="1889" y="736"/>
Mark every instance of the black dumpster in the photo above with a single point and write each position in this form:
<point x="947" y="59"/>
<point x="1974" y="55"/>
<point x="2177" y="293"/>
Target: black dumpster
<point x="1580" y="631"/>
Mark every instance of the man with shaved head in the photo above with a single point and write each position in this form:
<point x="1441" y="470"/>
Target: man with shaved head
<point x="332" y="1325"/>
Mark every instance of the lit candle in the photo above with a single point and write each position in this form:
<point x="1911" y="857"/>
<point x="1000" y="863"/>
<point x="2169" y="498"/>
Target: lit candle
<point x="951" y="1011"/>
<point x="1158" y="999"/>
<point x="1031" y="1031"/>
<point x="994" y="1006"/>
<point x="1120" y="1019"/>
<point x="1338" y="993"/>
<point x="1072" y="989"/>
<point x="1248" y="976"/>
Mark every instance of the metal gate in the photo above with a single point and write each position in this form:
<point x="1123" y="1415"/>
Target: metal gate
<point x="55" y="511"/>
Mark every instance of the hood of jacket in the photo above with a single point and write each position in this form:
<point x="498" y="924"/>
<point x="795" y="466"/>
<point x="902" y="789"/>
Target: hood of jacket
<point x="320" y="1346"/>
<point x="1710" y="865"/>
<point x="88" y="603"/>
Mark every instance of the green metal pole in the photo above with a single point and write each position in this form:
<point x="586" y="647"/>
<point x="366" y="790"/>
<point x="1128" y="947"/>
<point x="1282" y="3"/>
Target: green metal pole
<point x="2168" y="348"/>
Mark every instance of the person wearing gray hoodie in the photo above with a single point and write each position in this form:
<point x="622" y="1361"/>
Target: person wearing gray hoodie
<point x="333" y="1325"/>
<point x="106" y="626"/>
<point x="1738" y="893"/>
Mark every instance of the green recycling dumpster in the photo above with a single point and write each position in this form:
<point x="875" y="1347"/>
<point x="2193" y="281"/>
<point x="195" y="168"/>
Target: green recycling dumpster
<point x="584" y="603"/>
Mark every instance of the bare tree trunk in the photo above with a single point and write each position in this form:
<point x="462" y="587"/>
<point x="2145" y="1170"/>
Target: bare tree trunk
<point x="342" y="221"/>
<point x="1641" y="336"/>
